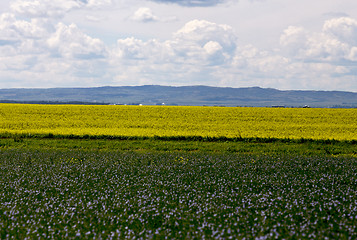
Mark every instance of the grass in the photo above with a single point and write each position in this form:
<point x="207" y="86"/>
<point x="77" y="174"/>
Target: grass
<point x="250" y="146"/>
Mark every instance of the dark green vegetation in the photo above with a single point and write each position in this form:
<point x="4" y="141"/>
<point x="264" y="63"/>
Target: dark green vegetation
<point x="147" y="188"/>
<point x="194" y="144"/>
<point x="187" y="95"/>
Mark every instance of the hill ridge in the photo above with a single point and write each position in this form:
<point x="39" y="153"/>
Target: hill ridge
<point x="199" y="95"/>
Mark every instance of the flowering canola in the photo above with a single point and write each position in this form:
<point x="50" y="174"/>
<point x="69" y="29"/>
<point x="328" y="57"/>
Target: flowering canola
<point x="293" y="123"/>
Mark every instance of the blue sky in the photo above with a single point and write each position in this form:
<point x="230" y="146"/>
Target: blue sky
<point x="284" y="44"/>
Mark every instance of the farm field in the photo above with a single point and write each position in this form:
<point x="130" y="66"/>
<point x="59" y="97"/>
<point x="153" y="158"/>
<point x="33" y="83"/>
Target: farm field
<point x="88" y="194"/>
<point x="87" y="172"/>
<point x="150" y="121"/>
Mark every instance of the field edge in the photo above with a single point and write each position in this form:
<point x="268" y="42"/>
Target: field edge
<point x="174" y="138"/>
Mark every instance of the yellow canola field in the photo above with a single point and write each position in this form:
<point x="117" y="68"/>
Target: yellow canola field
<point x="295" y="123"/>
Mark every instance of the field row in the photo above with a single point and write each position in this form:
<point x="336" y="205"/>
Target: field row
<point x="149" y="121"/>
<point x="150" y="145"/>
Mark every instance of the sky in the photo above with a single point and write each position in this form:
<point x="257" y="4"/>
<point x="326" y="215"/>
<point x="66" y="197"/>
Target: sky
<point x="283" y="44"/>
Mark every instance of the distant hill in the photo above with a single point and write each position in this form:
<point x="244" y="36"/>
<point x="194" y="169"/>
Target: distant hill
<point x="187" y="95"/>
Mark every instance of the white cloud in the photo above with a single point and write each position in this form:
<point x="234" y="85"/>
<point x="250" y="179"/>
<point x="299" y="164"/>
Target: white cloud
<point x="144" y="15"/>
<point x="193" y="52"/>
<point x="198" y="42"/>
<point x="200" y="32"/>
<point x="71" y="42"/>
<point x="44" y="8"/>
<point x="334" y="43"/>
<point x="294" y="40"/>
<point x="353" y="54"/>
<point x="324" y="59"/>
<point x="130" y="48"/>
<point x="202" y="42"/>
<point x="344" y="29"/>
<point x="54" y="8"/>
<point x="193" y="3"/>
<point x="21" y="37"/>
<point x="95" y="19"/>
<point x="212" y="47"/>
<point x="98" y="3"/>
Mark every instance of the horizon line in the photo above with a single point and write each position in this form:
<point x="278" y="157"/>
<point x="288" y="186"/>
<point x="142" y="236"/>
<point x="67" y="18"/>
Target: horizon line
<point x="173" y="86"/>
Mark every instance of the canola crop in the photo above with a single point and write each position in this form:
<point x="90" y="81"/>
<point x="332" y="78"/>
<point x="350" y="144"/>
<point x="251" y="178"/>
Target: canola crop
<point x="173" y="121"/>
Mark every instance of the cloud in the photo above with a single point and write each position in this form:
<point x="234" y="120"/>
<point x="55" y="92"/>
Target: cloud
<point x="131" y="48"/>
<point x="200" y="32"/>
<point x="343" y="29"/>
<point x="193" y="3"/>
<point x="327" y="57"/>
<point x="212" y="47"/>
<point x="335" y="14"/>
<point x="95" y="19"/>
<point x="336" y="42"/>
<point x="294" y="41"/>
<point x="97" y="3"/>
<point x="54" y="8"/>
<point x="20" y="36"/>
<point x="14" y="29"/>
<point x="204" y="43"/>
<point x="144" y="15"/>
<point x="44" y="8"/>
<point x="199" y="42"/>
<point x="71" y="42"/>
<point x="34" y="53"/>
<point x="193" y="53"/>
